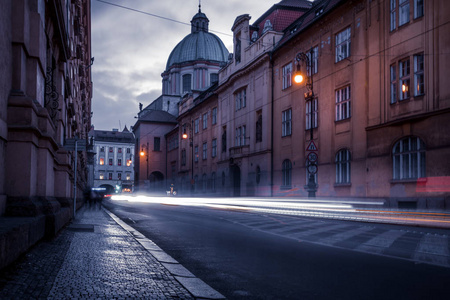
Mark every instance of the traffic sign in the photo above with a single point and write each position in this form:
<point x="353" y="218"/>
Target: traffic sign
<point x="312" y="157"/>
<point x="312" y="146"/>
<point x="312" y="169"/>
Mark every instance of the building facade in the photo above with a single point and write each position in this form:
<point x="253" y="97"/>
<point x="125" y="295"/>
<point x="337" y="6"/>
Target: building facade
<point x="370" y="122"/>
<point x="114" y="160"/>
<point x="377" y="71"/>
<point x="45" y="104"/>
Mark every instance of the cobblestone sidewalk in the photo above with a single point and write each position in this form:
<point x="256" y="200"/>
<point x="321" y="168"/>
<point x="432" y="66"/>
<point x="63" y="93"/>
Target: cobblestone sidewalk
<point x="93" y="257"/>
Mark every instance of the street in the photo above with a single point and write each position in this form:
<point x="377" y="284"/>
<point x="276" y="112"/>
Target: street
<point x="268" y="256"/>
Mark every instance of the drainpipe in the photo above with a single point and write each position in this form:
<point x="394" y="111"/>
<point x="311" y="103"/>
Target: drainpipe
<point x="271" y="124"/>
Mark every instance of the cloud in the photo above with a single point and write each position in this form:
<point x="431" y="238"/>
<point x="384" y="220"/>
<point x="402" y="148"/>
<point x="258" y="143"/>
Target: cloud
<point x="131" y="49"/>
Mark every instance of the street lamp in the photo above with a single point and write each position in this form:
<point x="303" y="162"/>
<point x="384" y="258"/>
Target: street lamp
<point x="312" y="166"/>
<point x="145" y="153"/>
<point x="185" y="136"/>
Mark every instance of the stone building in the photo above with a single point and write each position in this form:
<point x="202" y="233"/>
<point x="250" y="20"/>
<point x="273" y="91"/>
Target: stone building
<point x="380" y="107"/>
<point x="245" y="101"/>
<point x="45" y="103"/>
<point x="192" y="67"/>
<point x="114" y="160"/>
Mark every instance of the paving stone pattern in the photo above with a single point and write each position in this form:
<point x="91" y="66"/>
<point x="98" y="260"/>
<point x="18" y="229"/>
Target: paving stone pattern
<point x="94" y="258"/>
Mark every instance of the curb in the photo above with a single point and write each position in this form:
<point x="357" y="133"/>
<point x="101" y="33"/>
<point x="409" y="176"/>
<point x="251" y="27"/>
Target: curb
<point x="197" y="287"/>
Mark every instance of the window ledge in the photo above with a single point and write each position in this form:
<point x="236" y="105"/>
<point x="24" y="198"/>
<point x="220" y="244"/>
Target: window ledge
<point x="342" y="185"/>
<point x="409" y="180"/>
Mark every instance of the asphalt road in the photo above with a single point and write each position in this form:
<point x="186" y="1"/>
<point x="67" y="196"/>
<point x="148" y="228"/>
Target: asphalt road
<point x="242" y="262"/>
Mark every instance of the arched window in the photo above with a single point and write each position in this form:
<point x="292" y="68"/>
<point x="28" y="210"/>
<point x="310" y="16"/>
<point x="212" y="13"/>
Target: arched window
<point x="343" y="168"/>
<point x="187" y="85"/>
<point x="204" y="182"/>
<point x="213" y="182"/>
<point x="286" y="173"/>
<point x="408" y="157"/>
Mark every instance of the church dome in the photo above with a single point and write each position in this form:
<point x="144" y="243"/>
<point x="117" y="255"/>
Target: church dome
<point x="200" y="44"/>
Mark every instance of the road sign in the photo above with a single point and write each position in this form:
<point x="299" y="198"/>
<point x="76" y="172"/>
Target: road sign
<point x="312" y="169"/>
<point x="312" y="146"/>
<point x="312" y="157"/>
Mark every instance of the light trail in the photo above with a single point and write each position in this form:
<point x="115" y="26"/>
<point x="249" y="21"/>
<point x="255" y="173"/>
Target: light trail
<point x="319" y="208"/>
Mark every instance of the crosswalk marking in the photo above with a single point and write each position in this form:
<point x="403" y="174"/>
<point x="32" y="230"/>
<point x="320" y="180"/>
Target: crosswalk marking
<point x="417" y="246"/>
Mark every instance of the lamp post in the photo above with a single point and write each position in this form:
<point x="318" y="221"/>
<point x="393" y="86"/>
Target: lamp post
<point x="312" y="166"/>
<point x="145" y="153"/>
<point x="185" y="136"/>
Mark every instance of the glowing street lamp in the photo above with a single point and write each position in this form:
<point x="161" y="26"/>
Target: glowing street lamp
<point x="311" y="187"/>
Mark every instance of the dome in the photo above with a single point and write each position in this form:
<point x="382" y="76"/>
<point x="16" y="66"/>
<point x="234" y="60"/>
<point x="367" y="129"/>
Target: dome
<point x="198" y="45"/>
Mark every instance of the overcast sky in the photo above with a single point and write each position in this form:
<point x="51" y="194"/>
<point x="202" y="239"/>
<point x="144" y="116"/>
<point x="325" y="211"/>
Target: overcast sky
<point x="131" y="48"/>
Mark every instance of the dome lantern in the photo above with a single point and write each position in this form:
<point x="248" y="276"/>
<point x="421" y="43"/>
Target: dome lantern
<point x="199" y="22"/>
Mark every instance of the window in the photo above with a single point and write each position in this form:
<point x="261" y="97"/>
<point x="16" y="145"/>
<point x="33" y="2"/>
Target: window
<point x="119" y="162"/>
<point x="111" y="149"/>
<point x="128" y="176"/>
<point x="393" y="84"/>
<point x="237" y="48"/>
<point x="259" y="128"/>
<point x="311" y="112"/>
<point x="240" y="136"/>
<point x="205" y="151"/>
<point x="343" y="44"/>
<point x="393" y="11"/>
<point x="119" y="150"/>
<point x="101" y="176"/>
<point x="196" y="125"/>
<point x="156" y="144"/>
<point x="214" y="148"/>
<point x="214" y="116"/>
<point x="129" y="162"/>
<point x="102" y="161"/>
<point x="204" y="182"/>
<point x="102" y="149"/>
<point x="343" y="103"/>
<point x="110" y="176"/>
<point x="408" y="159"/>
<point x="419" y="82"/>
<point x="110" y="162"/>
<point x="196" y="153"/>
<point x="224" y="140"/>
<point x="287" y="76"/>
<point x="286" y="122"/>
<point x="286" y="173"/>
<point x="119" y="176"/>
<point x="213" y="77"/>
<point x="343" y="169"/>
<point x="314" y="60"/>
<point x="205" y="120"/>
<point x="403" y="12"/>
<point x="128" y="150"/>
<point x="403" y="68"/>
<point x="237" y="140"/>
<point x="418" y="8"/>
<point x="240" y="99"/>
<point x="213" y="181"/>
<point x="187" y="78"/>
<point x="183" y="157"/>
